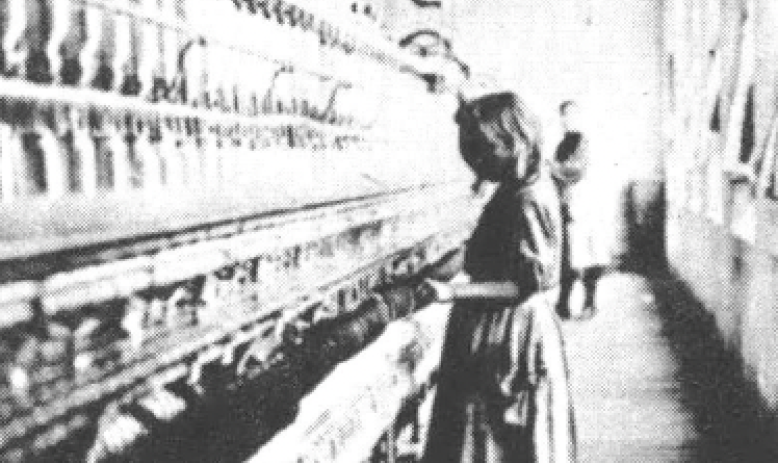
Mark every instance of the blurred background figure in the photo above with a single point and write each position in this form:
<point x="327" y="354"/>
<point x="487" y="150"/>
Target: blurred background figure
<point x="581" y="257"/>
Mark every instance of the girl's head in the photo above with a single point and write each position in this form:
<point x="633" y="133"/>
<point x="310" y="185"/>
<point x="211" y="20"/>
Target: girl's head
<point x="569" y="112"/>
<point x="499" y="138"/>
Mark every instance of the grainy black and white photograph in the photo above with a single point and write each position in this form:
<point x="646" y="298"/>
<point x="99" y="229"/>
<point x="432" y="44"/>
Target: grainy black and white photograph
<point x="388" y="231"/>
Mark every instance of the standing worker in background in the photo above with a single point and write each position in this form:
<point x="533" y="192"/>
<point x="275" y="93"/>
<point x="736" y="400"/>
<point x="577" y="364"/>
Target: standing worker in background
<point x="568" y="168"/>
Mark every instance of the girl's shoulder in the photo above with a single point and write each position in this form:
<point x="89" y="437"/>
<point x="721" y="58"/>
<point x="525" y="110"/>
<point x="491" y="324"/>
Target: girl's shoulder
<point x="542" y="191"/>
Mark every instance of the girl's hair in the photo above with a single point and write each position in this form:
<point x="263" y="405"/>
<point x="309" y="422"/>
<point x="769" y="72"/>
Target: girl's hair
<point x="497" y="130"/>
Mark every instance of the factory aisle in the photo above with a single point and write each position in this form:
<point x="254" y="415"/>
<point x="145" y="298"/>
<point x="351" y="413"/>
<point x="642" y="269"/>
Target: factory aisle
<point x="652" y="383"/>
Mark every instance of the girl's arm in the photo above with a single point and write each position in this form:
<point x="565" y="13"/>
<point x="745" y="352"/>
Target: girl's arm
<point x="497" y="290"/>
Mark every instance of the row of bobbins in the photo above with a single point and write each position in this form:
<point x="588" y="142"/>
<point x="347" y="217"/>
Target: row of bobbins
<point x="56" y="150"/>
<point x="79" y="327"/>
<point x="87" y="342"/>
<point x="214" y="53"/>
<point x="53" y="142"/>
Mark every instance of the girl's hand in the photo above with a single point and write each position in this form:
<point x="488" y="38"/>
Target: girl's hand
<point x="437" y="291"/>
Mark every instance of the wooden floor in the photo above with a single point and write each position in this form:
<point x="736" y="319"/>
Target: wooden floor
<point x="652" y="384"/>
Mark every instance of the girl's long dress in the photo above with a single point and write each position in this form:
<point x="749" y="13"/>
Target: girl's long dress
<point x="501" y="359"/>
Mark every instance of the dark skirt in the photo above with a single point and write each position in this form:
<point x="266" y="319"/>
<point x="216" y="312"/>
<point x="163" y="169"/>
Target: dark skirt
<point x="503" y="393"/>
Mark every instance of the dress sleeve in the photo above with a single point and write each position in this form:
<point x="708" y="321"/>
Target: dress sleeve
<point x="534" y="252"/>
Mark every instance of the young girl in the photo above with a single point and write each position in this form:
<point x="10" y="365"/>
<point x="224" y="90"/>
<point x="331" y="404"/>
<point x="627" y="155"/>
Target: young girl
<point x="502" y="393"/>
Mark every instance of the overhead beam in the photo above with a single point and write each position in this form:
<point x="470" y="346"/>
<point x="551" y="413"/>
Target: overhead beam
<point x="427" y="3"/>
